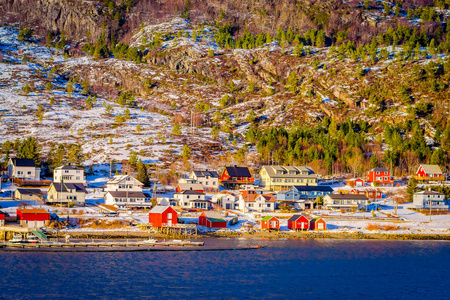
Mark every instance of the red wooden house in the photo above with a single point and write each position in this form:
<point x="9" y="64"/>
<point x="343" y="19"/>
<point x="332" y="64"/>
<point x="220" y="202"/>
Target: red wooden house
<point x="380" y="176"/>
<point x="212" y="219"/>
<point x="298" y="222"/>
<point x="270" y="222"/>
<point x="233" y="177"/>
<point x="429" y="173"/>
<point x="371" y="193"/>
<point x="355" y="182"/>
<point x="317" y="224"/>
<point x="33" y="217"/>
<point x="161" y="216"/>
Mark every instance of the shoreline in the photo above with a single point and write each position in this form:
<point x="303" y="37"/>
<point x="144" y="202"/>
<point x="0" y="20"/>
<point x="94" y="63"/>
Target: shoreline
<point x="256" y="235"/>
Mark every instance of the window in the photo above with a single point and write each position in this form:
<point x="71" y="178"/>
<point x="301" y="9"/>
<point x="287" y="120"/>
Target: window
<point x="78" y="171"/>
<point x="29" y="172"/>
<point x="206" y="183"/>
<point x="169" y="216"/>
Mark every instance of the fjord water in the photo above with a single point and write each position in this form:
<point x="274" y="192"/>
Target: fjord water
<point x="284" y="269"/>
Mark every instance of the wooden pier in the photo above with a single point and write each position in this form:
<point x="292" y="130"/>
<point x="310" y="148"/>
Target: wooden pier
<point x="125" y="246"/>
<point x="102" y="244"/>
<point x="173" y="229"/>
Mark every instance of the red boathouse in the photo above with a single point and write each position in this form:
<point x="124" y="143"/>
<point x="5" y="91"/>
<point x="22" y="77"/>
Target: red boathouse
<point x="161" y="216"/>
<point x="270" y="222"/>
<point x="317" y="224"/>
<point x="33" y="217"/>
<point x="297" y="222"/>
<point x="212" y="219"/>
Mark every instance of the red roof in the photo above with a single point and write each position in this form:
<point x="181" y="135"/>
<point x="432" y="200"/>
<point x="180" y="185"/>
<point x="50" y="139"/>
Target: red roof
<point x="33" y="211"/>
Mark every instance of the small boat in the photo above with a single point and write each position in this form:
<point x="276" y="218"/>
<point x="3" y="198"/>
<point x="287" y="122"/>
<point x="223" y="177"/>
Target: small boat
<point x="150" y="241"/>
<point x="32" y="239"/>
<point x="17" y="238"/>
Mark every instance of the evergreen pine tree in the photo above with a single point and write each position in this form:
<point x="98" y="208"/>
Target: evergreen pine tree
<point x="373" y="161"/>
<point x="411" y="189"/>
<point x="142" y="174"/>
<point x="30" y="149"/>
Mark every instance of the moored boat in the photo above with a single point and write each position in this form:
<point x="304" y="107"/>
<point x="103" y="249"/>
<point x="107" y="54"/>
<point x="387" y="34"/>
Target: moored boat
<point x="17" y="238"/>
<point x="32" y="239"/>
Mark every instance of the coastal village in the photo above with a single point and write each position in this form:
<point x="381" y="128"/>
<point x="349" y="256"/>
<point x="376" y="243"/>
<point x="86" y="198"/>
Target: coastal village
<point x="231" y="201"/>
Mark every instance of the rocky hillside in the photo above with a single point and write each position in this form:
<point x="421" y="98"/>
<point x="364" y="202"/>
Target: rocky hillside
<point x="233" y="65"/>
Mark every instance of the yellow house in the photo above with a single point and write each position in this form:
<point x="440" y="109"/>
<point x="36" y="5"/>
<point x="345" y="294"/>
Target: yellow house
<point x="28" y="194"/>
<point x="65" y="193"/>
<point x="279" y="178"/>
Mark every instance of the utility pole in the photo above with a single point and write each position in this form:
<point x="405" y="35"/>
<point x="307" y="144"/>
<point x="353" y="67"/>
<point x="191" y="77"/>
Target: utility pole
<point x="12" y="186"/>
<point x="430" y="209"/>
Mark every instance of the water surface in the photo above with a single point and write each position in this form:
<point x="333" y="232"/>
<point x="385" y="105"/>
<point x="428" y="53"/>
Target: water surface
<point x="285" y="269"/>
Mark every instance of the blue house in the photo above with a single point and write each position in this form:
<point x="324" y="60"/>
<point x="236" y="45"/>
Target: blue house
<point x="297" y="193"/>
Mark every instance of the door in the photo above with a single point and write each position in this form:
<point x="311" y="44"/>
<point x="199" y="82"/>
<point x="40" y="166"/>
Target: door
<point x="169" y="222"/>
<point x="320" y="226"/>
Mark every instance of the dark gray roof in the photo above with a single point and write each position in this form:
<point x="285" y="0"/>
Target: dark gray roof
<point x="348" y="196"/>
<point x="23" y="162"/>
<point x="66" y="186"/>
<point x="238" y="171"/>
<point x="124" y="194"/>
<point x="30" y="191"/>
<point x="296" y="217"/>
<point x="189" y="192"/>
<point x="320" y="188"/>
<point x="212" y="174"/>
<point x="379" y="170"/>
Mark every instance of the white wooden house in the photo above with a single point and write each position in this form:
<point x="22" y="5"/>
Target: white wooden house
<point x="348" y="202"/>
<point x="209" y="179"/>
<point x="226" y="201"/>
<point x="23" y="168"/>
<point x="192" y="199"/>
<point x="124" y="183"/>
<point x="256" y="202"/>
<point x="423" y="199"/>
<point x="127" y="199"/>
<point x="69" y="174"/>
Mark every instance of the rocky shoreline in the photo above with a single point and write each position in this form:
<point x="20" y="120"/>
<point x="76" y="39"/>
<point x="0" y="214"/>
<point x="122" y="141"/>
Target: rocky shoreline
<point x="256" y="235"/>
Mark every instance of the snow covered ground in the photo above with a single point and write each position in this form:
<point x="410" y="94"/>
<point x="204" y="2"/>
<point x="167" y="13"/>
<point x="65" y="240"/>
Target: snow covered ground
<point x="65" y="119"/>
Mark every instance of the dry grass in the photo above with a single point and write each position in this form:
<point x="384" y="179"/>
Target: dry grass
<point x="387" y="227"/>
